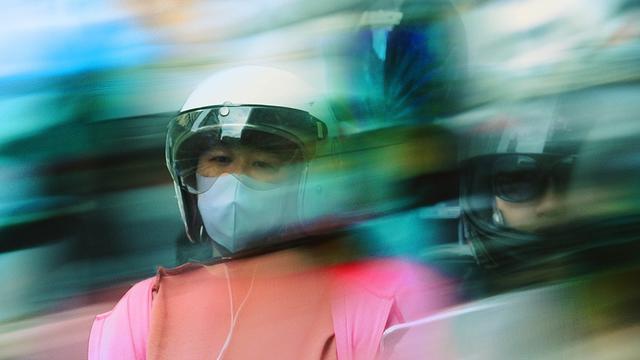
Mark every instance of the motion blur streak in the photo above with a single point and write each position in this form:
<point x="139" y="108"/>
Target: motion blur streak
<point x="87" y="207"/>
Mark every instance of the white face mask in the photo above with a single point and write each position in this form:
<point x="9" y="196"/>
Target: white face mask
<point x="235" y="215"/>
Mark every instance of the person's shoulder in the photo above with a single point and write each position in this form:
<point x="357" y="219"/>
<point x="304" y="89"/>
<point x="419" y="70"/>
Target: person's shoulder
<point x="123" y="330"/>
<point x="139" y="294"/>
<point x="143" y="288"/>
<point x="387" y="276"/>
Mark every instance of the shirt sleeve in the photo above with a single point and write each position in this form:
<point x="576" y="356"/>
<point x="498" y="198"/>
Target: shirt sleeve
<point x="122" y="332"/>
<point x="377" y="295"/>
<point x="412" y="330"/>
<point x="421" y="291"/>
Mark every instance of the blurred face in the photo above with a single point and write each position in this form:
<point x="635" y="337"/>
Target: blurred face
<point x="529" y="190"/>
<point x="532" y="214"/>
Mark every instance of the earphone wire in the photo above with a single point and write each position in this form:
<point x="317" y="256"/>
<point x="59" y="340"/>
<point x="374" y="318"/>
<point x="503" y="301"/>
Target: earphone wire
<point x="234" y="318"/>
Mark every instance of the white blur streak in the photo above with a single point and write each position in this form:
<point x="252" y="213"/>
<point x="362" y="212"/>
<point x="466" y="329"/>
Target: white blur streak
<point x="29" y="15"/>
<point x="525" y="48"/>
<point x="60" y="335"/>
<point x="29" y="27"/>
<point x="550" y="322"/>
<point x="444" y="315"/>
<point x="522" y="16"/>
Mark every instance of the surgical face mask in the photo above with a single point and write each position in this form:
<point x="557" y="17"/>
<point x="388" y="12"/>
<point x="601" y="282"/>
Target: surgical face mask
<point x="238" y="216"/>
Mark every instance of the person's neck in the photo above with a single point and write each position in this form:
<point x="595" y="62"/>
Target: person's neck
<point x="290" y="261"/>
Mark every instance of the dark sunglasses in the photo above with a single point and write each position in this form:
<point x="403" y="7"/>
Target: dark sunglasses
<point x="526" y="177"/>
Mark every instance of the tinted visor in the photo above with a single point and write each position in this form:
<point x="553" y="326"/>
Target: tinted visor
<point x="260" y="142"/>
<point x="522" y="178"/>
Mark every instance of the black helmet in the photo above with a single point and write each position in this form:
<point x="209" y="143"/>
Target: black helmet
<point x="581" y="145"/>
<point x="518" y="166"/>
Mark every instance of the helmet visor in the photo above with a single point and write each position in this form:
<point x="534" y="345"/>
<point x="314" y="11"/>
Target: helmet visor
<point x="262" y="143"/>
<point x="522" y="177"/>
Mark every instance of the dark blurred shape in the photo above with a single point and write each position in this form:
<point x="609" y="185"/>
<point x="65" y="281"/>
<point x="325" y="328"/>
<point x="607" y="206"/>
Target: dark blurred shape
<point x="592" y="225"/>
<point x="86" y="205"/>
<point x="403" y="64"/>
<point x="105" y="160"/>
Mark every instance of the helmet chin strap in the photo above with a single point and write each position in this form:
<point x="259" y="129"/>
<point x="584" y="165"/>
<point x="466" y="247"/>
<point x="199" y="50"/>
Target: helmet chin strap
<point x="234" y="317"/>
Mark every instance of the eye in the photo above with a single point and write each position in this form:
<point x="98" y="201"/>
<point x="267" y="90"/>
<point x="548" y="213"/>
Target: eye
<point x="265" y="166"/>
<point x="220" y="159"/>
<point x="215" y="161"/>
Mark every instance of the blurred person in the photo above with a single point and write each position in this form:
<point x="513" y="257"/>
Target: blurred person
<point x="548" y="219"/>
<point x="241" y="154"/>
<point x="536" y="185"/>
<point x="528" y="187"/>
<point x="561" y="282"/>
<point x="517" y="170"/>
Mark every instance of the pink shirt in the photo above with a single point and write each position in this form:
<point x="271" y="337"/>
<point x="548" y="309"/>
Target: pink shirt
<point x="363" y="299"/>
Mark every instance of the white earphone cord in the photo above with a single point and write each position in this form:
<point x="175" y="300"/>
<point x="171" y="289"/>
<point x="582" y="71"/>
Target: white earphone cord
<point x="234" y="318"/>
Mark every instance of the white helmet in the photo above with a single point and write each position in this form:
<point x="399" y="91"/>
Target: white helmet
<point x="261" y="108"/>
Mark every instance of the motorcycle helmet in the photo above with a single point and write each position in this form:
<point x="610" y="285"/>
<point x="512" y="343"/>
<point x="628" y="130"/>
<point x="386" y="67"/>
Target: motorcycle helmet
<point x="519" y="159"/>
<point x="274" y="121"/>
